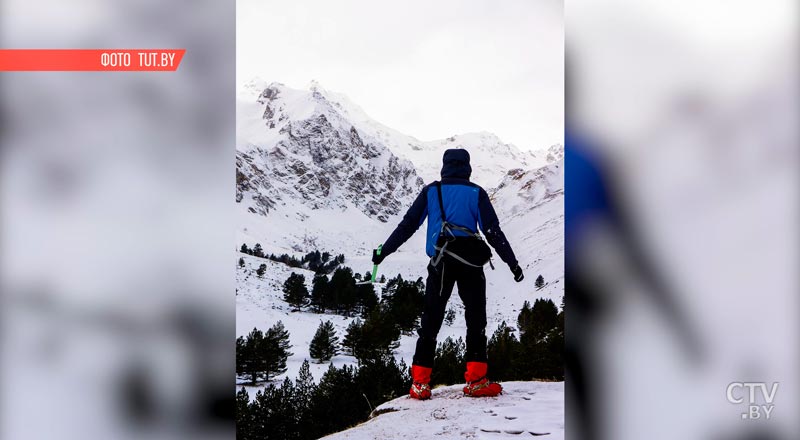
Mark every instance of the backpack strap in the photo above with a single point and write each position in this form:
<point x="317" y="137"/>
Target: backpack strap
<point x="441" y="203"/>
<point x="438" y="257"/>
<point x="442" y="250"/>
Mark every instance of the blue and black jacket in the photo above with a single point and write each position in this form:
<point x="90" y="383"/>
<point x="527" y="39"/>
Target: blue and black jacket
<point x="465" y="204"/>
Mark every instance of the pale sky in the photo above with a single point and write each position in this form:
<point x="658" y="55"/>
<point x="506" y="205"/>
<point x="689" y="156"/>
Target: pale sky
<point x="430" y="69"/>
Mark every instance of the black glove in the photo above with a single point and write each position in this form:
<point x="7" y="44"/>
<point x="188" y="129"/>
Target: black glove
<point x="517" y="271"/>
<point x="376" y="259"/>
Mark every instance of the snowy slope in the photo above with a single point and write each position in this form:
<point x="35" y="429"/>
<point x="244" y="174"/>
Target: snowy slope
<point x="259" y="304"/>
<point x="525" y="409"/>
<point x="490" y="157"/>
<point x="280" y="210"/>
<point x="530" y="205"/>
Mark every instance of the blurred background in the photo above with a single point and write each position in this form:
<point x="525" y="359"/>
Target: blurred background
<point x="117" y="289"/>
<point x="681" y="217"/>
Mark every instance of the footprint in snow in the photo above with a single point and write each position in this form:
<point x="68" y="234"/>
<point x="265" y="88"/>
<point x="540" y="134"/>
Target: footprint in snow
<point x="514" y="432"/>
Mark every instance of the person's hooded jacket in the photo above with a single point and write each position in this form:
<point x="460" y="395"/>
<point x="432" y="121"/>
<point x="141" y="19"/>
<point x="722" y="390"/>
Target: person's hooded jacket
<point x="465" y="204"/>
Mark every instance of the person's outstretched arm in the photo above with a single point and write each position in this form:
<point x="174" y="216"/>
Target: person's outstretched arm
<point x="490" y="225"/>
<point x="406" y="228"/>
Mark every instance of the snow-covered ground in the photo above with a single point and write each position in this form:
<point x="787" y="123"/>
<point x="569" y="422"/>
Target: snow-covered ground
<point x="524" y="409"/>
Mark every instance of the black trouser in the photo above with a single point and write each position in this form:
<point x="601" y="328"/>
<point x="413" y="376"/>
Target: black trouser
<point x="472" y="290"/>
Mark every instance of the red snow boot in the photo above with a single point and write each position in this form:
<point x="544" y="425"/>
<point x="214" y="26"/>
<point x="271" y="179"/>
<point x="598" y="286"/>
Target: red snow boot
<point x="477" y="383"/>
<point x="420" y="389"/>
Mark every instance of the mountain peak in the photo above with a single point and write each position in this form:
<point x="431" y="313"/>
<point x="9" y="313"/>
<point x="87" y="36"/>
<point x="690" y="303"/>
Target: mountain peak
<point x="300" y="149"/>
<point x="552" y="154"/>
<point x="317" y="91"/>
<point x="255" y="83"/>
<point x="283" y="108"/>
<point x="474" y="136"/>
<point x="555" y="153"/>
<point x="253" y="87"/>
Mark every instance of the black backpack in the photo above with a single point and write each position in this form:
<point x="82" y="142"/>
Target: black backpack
<point x="471" y="249"/>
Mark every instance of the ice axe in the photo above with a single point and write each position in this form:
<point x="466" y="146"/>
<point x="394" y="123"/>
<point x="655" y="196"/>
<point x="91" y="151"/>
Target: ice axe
<point x="374" y="268"/>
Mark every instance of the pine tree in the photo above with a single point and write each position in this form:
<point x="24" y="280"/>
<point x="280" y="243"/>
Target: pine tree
<point x="542" y="343"/>
<point x="252" y="356"/>
<point x="260" y="412"/>
<point x="342" y="287"/>
<point x="540" y="320"/>
<point x="404" y="301"/>
<point x="262" y="269"/>
<point x="274" y="412"/>
<point x="244" y="249"/>
<point x="319" y="293"/>
<point x="450" y="316"/>
<point x="448" y="365"/>
<point x="258" y="251"/>
<point x="338" y="402"/>
<point x="242" y="356"/>
<point x="379" y="337"/>
<point x="286" y="412"/>
<point x="313" y="260"/>
<point x="241" y="262"/>
<point x="304" y="395"/>
<point x="539" y="283"/>
<point x="294" y="291"/>
<point x="382" y="379"/>
<point x="244" y="420"/>
<point x="325" y="343"/>
<point x="277" y="349"/>
<point x="503" y="350"/>
<point x="524" y="318"/>
<point x="552" y="360"/>
<point x="367" y="299"/>
<point x="352" y="337"/>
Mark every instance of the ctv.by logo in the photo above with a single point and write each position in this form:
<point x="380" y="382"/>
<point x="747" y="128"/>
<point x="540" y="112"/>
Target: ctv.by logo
<point x="755" y="411"/>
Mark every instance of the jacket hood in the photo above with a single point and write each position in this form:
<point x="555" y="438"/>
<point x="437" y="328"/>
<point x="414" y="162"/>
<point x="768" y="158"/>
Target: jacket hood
<point x="455" y="163"/>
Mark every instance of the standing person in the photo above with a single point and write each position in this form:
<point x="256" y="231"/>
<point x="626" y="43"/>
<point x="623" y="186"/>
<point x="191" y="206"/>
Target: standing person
<point x="455" y="208"/>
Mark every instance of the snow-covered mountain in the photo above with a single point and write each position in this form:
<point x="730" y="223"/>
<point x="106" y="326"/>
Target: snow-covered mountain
<point x="301" y="146"/>
<point x="315" y="172"/>
<point x="530" y="205"/>
<point x="490" y="157"/>
<point x="522" y="191"/>
<point x="279" y="105"/>
<point x="550" y="155"/>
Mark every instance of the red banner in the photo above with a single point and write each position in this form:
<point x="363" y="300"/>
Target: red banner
<point x="115" y="60"/>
